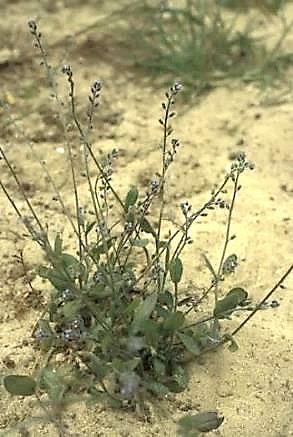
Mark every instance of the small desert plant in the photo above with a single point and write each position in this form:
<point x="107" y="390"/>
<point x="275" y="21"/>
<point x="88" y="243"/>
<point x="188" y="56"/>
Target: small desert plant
<point x="205" y="45"/>
<point x="117" y="310"/>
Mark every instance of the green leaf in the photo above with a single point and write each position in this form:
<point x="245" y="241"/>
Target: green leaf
<point x="209" y="265"/>
<point x="53" y="384"/>
<point x="191" y="345"/>
<point x="57" y="278"/>
<point x="147" y="227"/>
<point x="20" y="385"/>
<point x="139" y="243"/>
<point x="174" y="321"/>
<point x="58" y="244"/>
<point x="152" y="333"/>
<point x="176" y="270"/>
<point x="98" y="367"/>
<point x="179" y="380"/>
<point x="71" y="309"/>
<point x="132" y="306"/>
<point x="131" y="198"/>
<point x="204" y="421"/>
<point x="225" y="306"/>
<point x="89" y="227"/>
<point x="159" y="367"/>
<point x="157" y="388"/>
<point x="49" y="378"/>
<point x="143" y="312"/>
<point x="72" y="265"/>
<point x="125" y="365"/>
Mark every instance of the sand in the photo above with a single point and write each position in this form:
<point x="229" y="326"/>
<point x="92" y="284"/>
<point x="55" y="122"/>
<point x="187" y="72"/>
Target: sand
<point x="253" y="387"/>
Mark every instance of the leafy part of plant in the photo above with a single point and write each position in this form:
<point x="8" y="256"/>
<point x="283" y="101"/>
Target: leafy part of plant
<point x="147" y="227"/>
<point x="117" y="312"/>
<point x="44" y="334"/>
<point x="131" y="198"/>
<point x="176" y="270"/>
<point x="20" y="385"/>
<point x="190" y="344"/>
<point x="203" y="422"/>
<point x="234" y="298"/>
<point x="143" y="313"/>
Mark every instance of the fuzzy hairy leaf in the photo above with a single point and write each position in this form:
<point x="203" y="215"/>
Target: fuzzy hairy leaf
<point x="143" y="312"/>
<point x="54" y="385"/>
<point x="204" y="421"/>
<point x="131" y="198"/>
<point x="191" y="345"/>
<point x="179" y="380"/>
<point x="20" y="385"/>
<point x="44" y="334"/>
<point x="176" y="270"/>
<point x="71" y="265"/>
<point x="147" y="227"/>
<point x="224" y="306"/>
<point x="157" y="388"/>
<point x="57" y="279"/>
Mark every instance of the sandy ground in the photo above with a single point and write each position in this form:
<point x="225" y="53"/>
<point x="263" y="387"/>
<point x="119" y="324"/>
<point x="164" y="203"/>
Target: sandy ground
<point x="253" y="387"/>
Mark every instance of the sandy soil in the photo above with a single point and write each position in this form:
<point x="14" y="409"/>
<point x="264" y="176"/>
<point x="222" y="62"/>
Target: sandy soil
<point x="253" y="387"/>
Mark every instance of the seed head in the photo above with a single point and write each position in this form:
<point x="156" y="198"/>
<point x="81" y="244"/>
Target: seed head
<point x="66" y="69"/>
<point x="32" y="26"/>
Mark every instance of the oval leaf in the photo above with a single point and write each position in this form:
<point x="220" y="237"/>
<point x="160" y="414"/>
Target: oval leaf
<point x="225" y="306"/>
<point x="143" y="312"/>
<point x="131" y="198"/>
<point x="204" y="421"/>
<point x="20" y="385"/>
<point x="157" y="388"/>
<point x="191" y="345"/>
<point x="147" y="227"/>
<point x="176" y="270"/>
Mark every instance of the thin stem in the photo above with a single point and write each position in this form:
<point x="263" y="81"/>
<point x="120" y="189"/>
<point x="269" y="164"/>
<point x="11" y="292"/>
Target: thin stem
<point x="45" y="240"/>
<point x="191" y="221"/>
<point x="53" y="85"/>
<point x="268" y="295"/>
<point x="163" y="171"/>
<point x="227" y="238"/>
<point x="175" y="296"/>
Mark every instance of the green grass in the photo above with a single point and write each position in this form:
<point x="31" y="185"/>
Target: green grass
<point x="205" y="46"/>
